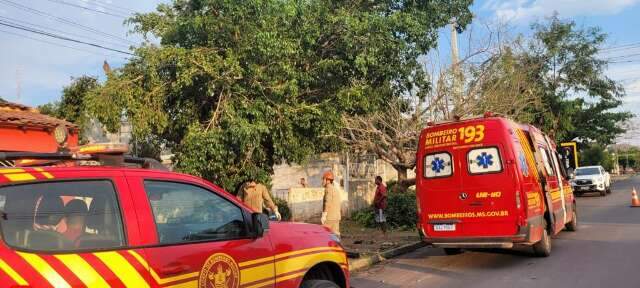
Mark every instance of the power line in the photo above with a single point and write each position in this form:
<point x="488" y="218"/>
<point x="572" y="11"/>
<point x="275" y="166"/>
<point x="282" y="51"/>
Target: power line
<point x="87" y="8"/>
<point x="23" y="23"/>
<point x="50" y="43"/>
<point x="111" y="6"/>
<point x="63" y="38"/>
<point x="63" y="20"/>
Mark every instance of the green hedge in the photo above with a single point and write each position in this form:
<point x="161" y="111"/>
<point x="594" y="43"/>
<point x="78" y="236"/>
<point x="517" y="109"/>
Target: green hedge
<point x="401" y="212"/>
<point x="283" y="208"/>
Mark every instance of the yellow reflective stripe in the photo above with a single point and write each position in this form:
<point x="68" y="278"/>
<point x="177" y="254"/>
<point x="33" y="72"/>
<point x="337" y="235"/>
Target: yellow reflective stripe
<point x="307" y="261"/>
<point x="20" y="177"/>
<point x="13" y="170"/>
<point x="289" y="254"/>
<point x="12" y="273"/>
<point x="45" y="270"/>
<point x="262" y="284"/>
<point x="289" y="277"/>
<point x="257" y="273"/>
<point x="155" y="275"/>
<point x="83" y="270"/>
<point x="44" y="173"/>
<point x="257" y="261"/>
<point x="190" y="284"/>
<point x="122" y="268"/>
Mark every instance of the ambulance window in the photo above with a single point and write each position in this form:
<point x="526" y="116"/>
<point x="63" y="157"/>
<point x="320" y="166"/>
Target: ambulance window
<point x="187" y="213"/>
<point x="545" y="160"/>
<point x="61" y="216"/>
<point x="484" y="160"/>
<point x="437" y="165"/>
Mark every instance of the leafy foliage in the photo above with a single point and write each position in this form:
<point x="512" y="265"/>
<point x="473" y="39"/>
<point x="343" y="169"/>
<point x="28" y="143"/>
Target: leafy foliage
<point x="401" y="212"/>
<point x="283" y="208"/>
<point x="577" y="96"/>
<point x="73" y="103"/>
<point x="596" y="155"/>
<point x="237" y="86"/>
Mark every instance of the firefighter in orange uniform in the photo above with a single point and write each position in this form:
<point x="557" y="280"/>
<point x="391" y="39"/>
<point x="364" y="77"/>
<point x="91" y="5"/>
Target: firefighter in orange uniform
<point x="255" y="195"/>
<point x="330" y="204"/>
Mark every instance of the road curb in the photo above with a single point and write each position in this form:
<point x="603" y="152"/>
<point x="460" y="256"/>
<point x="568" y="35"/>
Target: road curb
<point x="365" y="262"/>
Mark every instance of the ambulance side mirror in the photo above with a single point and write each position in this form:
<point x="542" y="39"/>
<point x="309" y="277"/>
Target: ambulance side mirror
<point x="260" y="224"/>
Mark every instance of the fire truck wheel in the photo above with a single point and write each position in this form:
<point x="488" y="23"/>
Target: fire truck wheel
<point x="452" y="251"/>
<point x="543" y="247"/>
<point x="573" y="225"/>
<point x="318" y="284"/>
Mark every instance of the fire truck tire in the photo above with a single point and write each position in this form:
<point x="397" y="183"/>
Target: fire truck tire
<point x="318" y="284"/>
<point x="573" y="224"/>
<point x="543" y="247"/>
<point x="452" y="251"/>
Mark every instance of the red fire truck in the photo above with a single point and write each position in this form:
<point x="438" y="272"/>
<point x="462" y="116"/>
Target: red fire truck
<point x="489" y="182"/>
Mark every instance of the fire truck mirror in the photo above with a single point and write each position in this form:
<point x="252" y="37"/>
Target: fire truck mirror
<point x="260" y="224"/>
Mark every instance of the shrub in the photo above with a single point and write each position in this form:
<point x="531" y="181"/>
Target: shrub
<point x="283" y="208"/>
<point x="364" y="217"/>
<point x="401" y="212"/>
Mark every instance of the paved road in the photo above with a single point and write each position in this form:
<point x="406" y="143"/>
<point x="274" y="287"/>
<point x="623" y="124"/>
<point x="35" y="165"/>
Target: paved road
<point x="605" y="252"/>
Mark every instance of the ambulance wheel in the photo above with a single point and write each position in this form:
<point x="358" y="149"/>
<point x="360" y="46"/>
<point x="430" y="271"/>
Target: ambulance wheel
<point x="542" y="248"/>
<point x="573" y="225"/>
<point x="452" y="251"/>
<point x="603" y="193"/>
<point x="318" y="284"/>
<point x="609" y="190"/>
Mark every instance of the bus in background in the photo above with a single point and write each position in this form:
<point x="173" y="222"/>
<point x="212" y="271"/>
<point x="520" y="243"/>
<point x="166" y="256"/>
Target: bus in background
<point x="489" y="182"/>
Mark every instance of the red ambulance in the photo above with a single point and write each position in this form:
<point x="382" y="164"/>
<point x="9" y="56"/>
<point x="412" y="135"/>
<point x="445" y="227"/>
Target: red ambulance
<point x="489" y="182"/>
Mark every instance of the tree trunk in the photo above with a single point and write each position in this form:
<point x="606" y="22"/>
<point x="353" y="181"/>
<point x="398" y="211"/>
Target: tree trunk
<point x="403" y="182"/>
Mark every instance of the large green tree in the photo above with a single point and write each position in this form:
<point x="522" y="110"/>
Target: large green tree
<point x="579" y="100"/>
<point x="73" y="105"/>
<point x="235" y="87"/>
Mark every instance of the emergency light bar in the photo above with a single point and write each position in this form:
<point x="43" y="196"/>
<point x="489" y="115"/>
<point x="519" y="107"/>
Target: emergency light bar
<point x="34" y="159"/>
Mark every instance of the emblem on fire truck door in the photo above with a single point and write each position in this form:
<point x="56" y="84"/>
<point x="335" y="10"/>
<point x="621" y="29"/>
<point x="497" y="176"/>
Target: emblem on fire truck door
<point x="219" y="271"/>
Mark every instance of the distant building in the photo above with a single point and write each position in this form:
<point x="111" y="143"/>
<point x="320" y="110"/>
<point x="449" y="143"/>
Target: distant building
<point x="24" y="129"/>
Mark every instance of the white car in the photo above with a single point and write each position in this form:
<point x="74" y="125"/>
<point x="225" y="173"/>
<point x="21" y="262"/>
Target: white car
<point x="591" y="179"/>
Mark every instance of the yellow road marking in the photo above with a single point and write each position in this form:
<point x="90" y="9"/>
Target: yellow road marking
<point x="13" y="274"/>
<point x="122" y="268"/>
<point x="45" y="270"/>
<point x="83" y="270"/>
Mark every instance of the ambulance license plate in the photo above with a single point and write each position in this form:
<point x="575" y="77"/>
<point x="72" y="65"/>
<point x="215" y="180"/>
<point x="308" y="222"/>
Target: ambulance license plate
<point x="444" y="227"/>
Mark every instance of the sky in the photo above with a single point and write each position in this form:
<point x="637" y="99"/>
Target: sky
<point x="35" y="68"/>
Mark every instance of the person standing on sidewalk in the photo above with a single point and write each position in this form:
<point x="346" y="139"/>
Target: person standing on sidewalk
<point x="380" y="204"/>
<point x="331" y="203"/>
<point x="255" y="195"/>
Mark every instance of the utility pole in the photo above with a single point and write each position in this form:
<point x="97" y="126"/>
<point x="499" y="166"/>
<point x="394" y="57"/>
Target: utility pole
<point x="455" y="65"/>
<point x="18" y="84"/>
